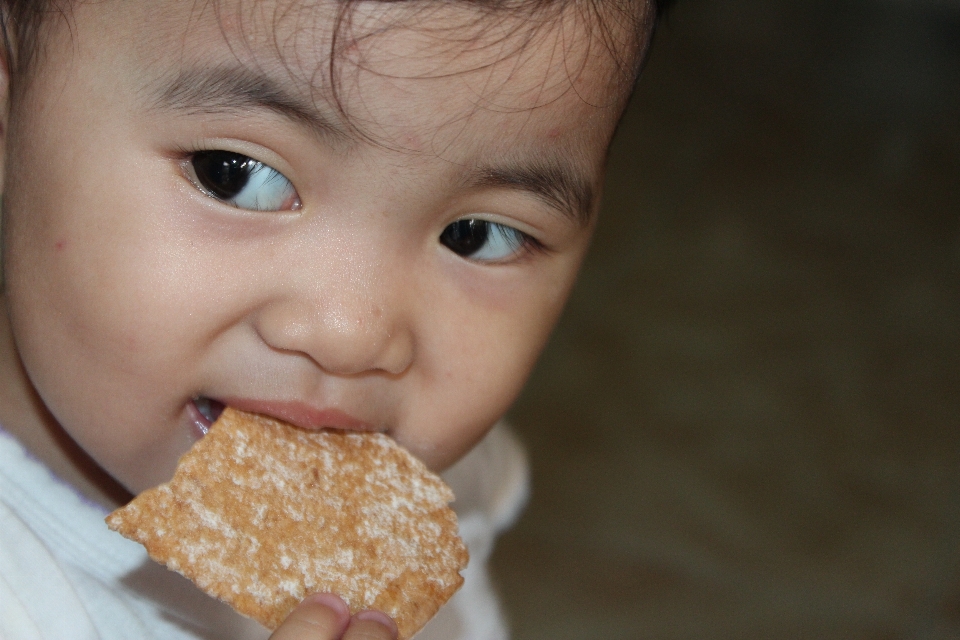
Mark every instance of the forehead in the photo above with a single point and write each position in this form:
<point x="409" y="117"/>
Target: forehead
<point x="461" y="64"/>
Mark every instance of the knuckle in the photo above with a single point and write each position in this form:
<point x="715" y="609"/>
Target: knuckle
<point x="368" y="630"/>
<point x="310" y="621"/>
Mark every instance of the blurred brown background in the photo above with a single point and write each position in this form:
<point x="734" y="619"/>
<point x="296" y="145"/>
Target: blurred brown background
<point x="747" y="424"/>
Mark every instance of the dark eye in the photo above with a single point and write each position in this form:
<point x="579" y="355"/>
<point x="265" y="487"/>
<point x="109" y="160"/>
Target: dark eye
<point x="465" y="237"/>
<point x="241" y="181"/>
<point x="482" y="240"/>
<point x="222" y="173"/>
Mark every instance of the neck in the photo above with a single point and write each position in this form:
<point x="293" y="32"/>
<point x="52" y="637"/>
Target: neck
<point x="24" y="415"/>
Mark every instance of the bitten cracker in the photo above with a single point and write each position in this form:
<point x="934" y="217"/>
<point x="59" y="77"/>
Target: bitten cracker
<point x="261" y="514"/>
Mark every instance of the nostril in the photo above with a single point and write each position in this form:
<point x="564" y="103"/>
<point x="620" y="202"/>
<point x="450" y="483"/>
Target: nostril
<point x="342" y="336"/>
<point x="397" y="354"/>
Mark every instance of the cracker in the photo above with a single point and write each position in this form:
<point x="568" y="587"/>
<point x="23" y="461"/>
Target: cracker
<point x="260" y="514"/>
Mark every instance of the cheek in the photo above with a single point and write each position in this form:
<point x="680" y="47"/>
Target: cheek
<point x="83" y="318"/>
<point x="481" y="377"/>
<point x="100" y="312"/>
<point x="482" y="341"/>
<point x="87" y="272"/>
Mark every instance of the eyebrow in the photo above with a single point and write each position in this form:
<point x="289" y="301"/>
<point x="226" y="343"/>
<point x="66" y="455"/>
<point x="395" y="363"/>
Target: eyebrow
<point x="558" y="187"/>
<point x="234" y="88"/>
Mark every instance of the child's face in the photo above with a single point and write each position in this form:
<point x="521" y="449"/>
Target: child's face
<point x="360" y="297"/>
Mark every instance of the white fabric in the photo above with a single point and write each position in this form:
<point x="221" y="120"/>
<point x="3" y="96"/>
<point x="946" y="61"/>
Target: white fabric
<point x="492" y="484"/>
<point x="65" y="576"/>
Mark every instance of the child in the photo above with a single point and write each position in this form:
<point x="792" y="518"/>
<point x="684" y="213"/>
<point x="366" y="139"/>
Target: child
<point x="360" y="215"/>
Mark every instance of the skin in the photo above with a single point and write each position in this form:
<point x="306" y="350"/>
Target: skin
<point x="129" y="291"/>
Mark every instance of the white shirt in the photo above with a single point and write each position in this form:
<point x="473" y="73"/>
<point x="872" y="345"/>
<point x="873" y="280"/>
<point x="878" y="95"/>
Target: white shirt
<point x="65" y="576"/>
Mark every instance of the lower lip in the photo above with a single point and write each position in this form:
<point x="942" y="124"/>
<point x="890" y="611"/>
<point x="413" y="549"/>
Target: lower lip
<point x="302" y="415"/>
<point x="198" y="423"/>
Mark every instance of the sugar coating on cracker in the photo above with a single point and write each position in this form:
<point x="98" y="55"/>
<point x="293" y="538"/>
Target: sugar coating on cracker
<point x="260" y="514"/>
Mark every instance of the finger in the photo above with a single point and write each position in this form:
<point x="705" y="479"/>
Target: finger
<point x="321" y="616"/>
<point x="371" y="625"/>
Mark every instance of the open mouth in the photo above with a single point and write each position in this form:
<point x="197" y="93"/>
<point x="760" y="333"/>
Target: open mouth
<point x="204" y="411"/>
<point x="207" y="410"/>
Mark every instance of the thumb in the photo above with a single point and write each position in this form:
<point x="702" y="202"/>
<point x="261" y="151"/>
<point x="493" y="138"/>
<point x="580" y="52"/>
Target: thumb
<point x="321" y="616"/>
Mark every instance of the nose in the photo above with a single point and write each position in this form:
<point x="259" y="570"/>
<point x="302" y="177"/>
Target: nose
<point x="346" y="328"/>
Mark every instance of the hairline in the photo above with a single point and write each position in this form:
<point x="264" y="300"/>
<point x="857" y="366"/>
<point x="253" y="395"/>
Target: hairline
<point x="22" y="33"/>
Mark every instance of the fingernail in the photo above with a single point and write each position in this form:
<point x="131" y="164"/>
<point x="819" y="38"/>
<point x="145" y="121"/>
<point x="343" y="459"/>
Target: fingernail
<point x="331" y="602"/>
<point x="371" y="615"/>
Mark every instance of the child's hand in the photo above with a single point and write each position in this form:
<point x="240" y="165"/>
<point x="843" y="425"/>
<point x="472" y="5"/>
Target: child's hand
<point x="326" y="617"/>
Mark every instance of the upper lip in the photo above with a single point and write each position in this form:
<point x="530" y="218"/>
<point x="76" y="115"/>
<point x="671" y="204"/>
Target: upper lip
<point x="301" y="414"/>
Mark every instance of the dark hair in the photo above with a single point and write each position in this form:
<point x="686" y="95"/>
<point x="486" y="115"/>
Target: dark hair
<point x="22" y="21"/>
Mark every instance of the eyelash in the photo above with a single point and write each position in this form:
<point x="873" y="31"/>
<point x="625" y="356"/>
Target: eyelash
<point x="236" y="171"/>
<point x="470" y="237"/>
<point x="531" y="246"/>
